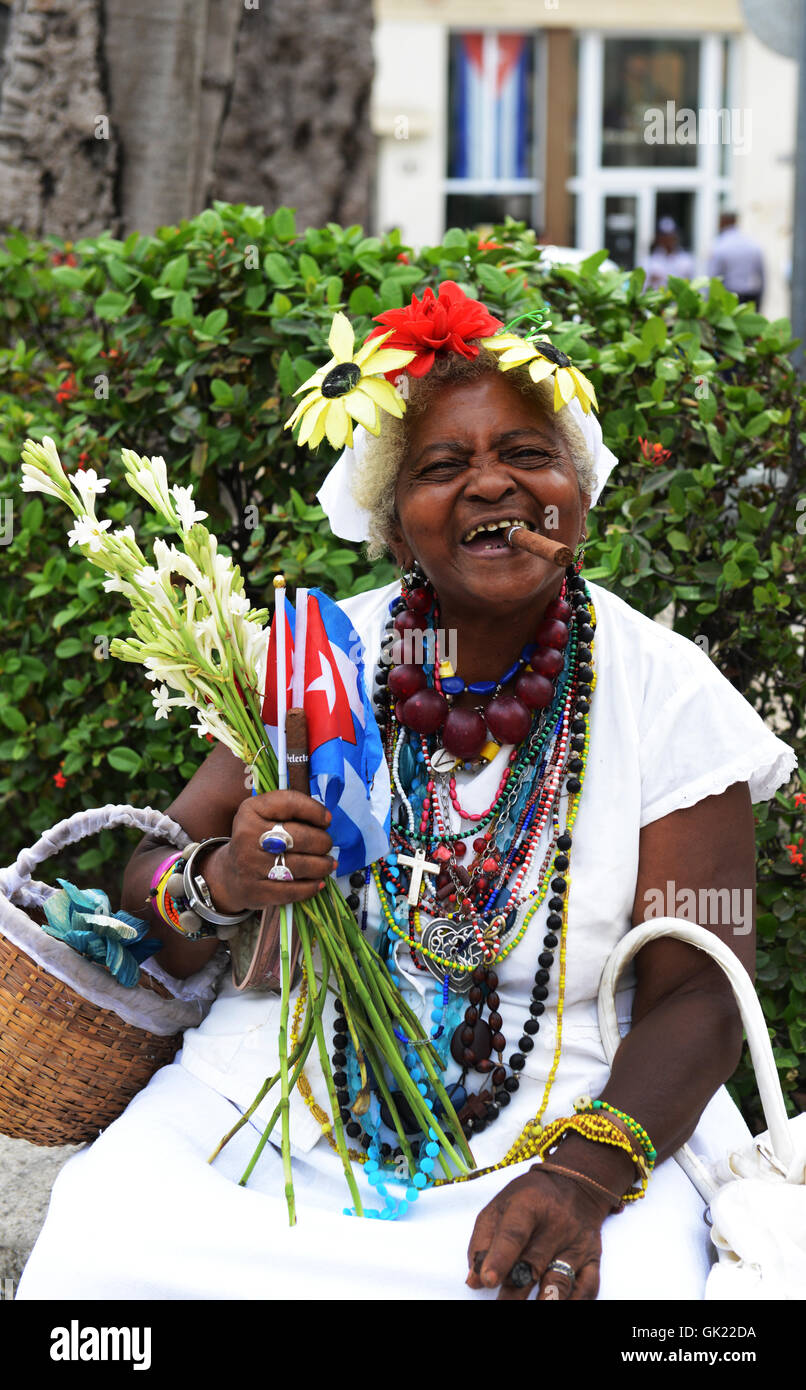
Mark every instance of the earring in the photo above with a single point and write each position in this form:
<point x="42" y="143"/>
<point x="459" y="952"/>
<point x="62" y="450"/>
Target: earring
<point x="579" y="557"/>
<point x="412" y="576"/>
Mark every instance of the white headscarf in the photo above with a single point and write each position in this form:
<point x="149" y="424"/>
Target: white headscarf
<point x="351" y="522"/>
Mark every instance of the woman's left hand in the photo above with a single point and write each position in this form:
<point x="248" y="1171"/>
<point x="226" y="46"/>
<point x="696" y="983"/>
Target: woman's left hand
<point x="538" y="1218"/>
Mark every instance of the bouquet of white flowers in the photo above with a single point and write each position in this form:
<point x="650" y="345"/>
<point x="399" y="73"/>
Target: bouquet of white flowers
<point x="194" y="631"/>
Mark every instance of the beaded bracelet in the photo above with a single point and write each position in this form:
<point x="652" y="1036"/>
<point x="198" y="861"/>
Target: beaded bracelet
<point x="162" y="870"/>
<point x="634" y="1128"/>
<point x="600" y="1130"/>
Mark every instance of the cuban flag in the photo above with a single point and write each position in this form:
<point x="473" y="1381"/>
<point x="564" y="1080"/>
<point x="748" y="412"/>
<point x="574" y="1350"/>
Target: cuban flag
<point x="491" y="107"/>
<point x="347" y="771"/>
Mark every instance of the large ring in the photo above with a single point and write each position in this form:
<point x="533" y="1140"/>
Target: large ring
<point x="280" y="870"/>
<point x="521" y="1275"/>
<point x="560" y="1267"/>
<point x="277" y="840"/>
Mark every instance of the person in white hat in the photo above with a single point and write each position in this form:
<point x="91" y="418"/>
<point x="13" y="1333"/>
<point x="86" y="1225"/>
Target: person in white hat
<point x="568" y="764"/>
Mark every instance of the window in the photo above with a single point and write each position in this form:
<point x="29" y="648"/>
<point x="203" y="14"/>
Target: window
<point x="641" y="78"/>
<point x="491" y="128"/>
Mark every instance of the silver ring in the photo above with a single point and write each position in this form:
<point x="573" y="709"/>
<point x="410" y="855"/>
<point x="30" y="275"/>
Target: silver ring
<point x="560" y="1267"/>
<point x="280" y="870"/>
<point x="277" y="840"/>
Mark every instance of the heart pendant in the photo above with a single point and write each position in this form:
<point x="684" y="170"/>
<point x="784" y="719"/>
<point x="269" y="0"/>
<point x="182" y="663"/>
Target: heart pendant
<point x="452" y="943"/>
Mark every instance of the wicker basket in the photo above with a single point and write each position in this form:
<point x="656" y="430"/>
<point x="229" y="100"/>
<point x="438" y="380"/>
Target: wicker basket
<point x="75" y="1046"/>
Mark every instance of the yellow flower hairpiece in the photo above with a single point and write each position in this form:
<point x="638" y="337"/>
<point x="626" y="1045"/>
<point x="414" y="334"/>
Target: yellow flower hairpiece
<point x="351" y="386"/>
<point x="544" y="361"/>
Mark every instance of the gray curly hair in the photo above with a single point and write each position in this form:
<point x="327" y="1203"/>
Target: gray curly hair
<point x="376" y="474"/>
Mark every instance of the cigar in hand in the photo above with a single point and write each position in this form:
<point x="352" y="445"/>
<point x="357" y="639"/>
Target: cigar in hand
<point x="522" y="539"/>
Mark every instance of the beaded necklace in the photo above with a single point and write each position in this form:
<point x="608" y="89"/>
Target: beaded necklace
<point x="541" y="803"/>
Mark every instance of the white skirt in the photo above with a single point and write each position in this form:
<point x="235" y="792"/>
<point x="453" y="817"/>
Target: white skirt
<point x="140" y="1214"/>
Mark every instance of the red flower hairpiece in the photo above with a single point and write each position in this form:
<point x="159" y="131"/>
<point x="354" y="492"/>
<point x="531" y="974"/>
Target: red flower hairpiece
<point x="442" y="322"/>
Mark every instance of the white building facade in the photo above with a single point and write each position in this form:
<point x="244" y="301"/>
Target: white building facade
<point x="590" y="121"/>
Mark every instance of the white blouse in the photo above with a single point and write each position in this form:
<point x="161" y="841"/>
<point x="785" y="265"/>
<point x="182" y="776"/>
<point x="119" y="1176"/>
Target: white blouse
<point x="667" y="729"/>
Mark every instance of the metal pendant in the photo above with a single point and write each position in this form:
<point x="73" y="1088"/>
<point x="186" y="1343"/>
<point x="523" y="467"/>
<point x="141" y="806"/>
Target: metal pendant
<point x="444" y="762"/>
<point x="453" y="942"/>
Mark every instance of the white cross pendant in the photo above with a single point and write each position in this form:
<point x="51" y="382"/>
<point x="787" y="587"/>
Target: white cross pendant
<point x="419" y="865"/>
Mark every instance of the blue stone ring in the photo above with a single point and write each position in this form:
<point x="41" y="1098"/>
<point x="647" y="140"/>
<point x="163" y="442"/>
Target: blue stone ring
<point x="277" y="840"/>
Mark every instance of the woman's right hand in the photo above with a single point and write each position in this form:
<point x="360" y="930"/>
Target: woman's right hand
<point x="236" y="873"/>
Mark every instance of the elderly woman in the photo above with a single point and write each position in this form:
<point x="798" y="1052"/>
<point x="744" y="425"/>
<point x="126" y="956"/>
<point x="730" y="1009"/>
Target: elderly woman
<point x="569" y="765"/>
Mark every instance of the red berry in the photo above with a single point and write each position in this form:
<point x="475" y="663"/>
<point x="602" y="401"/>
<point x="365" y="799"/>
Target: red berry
<point x="407" y="680"/>
<point x="549" y="662"/>
<point x="535" y="690"/>
<point x="480" y="844"/>
<point x="406" y="621"/>
<point x="425" y="712"/>
<point x="419" y="601"/>
<point x="508" y="719"/>
<point x="460" y="850"/>
<point x="552" y="634"/>
<point x="558" y="608"/>
<point x="465" y="733"/>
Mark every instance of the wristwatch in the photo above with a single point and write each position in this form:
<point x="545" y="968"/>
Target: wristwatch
<point x="198" y="918"/>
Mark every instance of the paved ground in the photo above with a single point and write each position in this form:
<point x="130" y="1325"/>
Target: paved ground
<point x="27" y="1174"/>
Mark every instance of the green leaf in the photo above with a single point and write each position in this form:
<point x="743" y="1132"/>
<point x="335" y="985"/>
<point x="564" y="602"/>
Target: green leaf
<point x="363" y="300"/>
<point x="71" y="646"/>
<point x="492" y="278"/>
<point x="759" y="424"/>
<point x="222" y="391"/>
<point x="283" y="224"/>
<point x="13" y="719"/>
<point x="214" y="322"/>
<point x="32" y="515"/>
<point x="175" y="272"/>
<point x="182" y="307"/>
<point x="278" y="269"/>
<point x="654" y="332"/>
<point x="124" y="760"/>
<point x="112" y="305"/>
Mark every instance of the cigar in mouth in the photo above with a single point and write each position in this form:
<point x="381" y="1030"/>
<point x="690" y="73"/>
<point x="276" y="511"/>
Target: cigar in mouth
<point x="521" y="539"/>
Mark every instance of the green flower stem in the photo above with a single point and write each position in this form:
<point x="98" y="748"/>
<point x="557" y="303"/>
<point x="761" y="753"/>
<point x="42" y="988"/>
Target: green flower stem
<point x="376" y="1062"/>
<point x="324" y="1061"/>
<point x="389" y="1047"/>
<point x="266" y="1135"/>
<point x="299" y="1053"/>
<point x="285" y="979"/>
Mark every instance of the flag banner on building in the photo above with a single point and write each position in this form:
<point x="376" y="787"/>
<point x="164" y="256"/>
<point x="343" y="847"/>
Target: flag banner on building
<point x="491" y="106"/>
<point x="347" y="769"/>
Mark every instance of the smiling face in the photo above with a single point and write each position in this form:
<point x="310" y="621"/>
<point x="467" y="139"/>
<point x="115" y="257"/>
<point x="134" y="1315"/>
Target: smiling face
<point x="483" y="453"/>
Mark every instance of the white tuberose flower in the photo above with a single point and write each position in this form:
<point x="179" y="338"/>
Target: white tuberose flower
<point x="188" y="513"/>
<point x="88" y="485"/>
<point x="88" y="531"/>
<point x="163" y="703"/>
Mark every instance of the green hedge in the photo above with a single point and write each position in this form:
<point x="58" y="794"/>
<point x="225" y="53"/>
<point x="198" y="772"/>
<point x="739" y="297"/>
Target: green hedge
<point x="190" y="343"/>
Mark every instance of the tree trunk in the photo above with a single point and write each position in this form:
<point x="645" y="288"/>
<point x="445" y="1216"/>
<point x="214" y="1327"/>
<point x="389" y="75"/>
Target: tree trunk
<point x="170" y="66"/>
<point x="133" y="116"/>
<point x="298" y="127"/>
<point x="58" y="164"/>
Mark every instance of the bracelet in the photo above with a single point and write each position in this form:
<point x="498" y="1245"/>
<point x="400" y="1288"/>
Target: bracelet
<point x="166" y="864"/>
<point x="184" y="901"/>
<point x="197" y="894"/>
<point x="600" y="1130"/>
<point x="550" y="1167"/>
<point x="634" y="1128"/>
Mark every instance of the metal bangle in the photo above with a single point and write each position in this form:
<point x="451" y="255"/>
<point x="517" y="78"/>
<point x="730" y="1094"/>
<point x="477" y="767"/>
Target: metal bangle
<point x="197" y="891"/>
